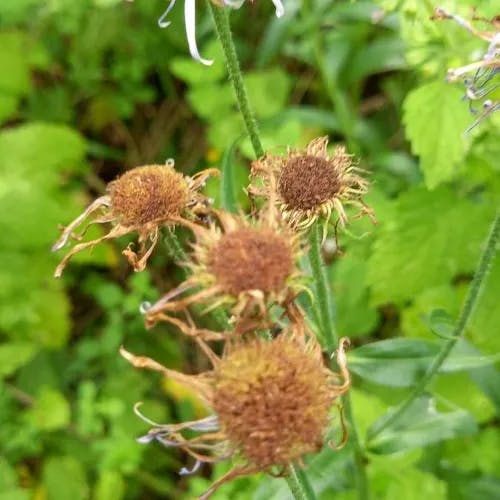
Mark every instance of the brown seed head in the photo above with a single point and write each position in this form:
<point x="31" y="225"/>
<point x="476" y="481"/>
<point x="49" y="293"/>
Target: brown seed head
<point x="272" y="400"/>
<point x="307" y="181"/>
<point x="148" y="194"/>
<point x="251" y="259"/>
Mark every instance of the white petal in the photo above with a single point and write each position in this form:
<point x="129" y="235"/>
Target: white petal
<point x="280" y="10"/>
<point x="162" y="23"/>
<point x="190" y="20"/>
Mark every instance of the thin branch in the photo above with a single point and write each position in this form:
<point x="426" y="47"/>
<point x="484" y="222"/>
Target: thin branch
<point x="460" y="327"/>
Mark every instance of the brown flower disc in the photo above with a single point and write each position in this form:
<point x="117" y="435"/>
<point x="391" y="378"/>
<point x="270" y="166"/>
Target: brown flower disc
<point x="148" y="194"/>
<point x="272" y="400"/>
<point x="307" y="181"/>
<point x="251" y="259"/>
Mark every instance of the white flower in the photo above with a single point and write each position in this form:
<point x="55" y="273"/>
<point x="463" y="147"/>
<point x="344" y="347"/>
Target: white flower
<point x="190" y="22"/>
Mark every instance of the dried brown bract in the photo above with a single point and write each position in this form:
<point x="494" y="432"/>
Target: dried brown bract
<point x="141" y="200"/>
<point x="310" y="184"/>
<point x="242" y="263"/>
<point x="271" y="402"/>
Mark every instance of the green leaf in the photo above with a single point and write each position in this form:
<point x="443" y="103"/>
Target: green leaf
<point x="401" y="362"/>
<point x="227" y="190"/>
<point x="64" y="478"/>
<point x="419" y="426"/>
<point x="13" y="355"/>
<point x="354" y="314"/>
<point x="110" y="486"/>
<point x="441" y="323"/>
<point x="51" y="411"/>
<point x="39" y="151"/>
<point x="425" y="244"/>
<point x="436" y="118"/>
<point x="268" y="91"/>
<point x="195" y="73"/>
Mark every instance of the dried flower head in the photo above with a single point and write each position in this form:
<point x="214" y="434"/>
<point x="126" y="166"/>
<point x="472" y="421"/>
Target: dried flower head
<point x="310" y="184"/>
<point x="246" y="264"/>
<point x="271" y="403"/>
<point x="141" y="200"/>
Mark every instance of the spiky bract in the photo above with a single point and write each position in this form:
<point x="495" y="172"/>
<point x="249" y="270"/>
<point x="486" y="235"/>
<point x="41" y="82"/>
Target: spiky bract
<point x="310" y="184"/>
<point x="271" y="403"/>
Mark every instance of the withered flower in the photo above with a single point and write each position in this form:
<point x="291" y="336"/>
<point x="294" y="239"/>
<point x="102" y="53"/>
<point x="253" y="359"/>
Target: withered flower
<point x="141" y="200"/>
<point x="310" y="184"/>
<point x="271" y="402"/>
<point x="244" y="263"/>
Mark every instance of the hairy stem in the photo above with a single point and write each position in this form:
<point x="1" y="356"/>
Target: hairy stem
<point x="299" y="484"/>
<point x="470" y="303"/>
<point x="325" y="312"/>
<point x="221" y="19"/>
<point x="297" y="480"/>
<point x="322" y="292"/>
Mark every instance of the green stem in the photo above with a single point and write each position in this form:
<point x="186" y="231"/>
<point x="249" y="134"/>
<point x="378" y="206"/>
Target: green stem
<point x="174" y="248"/>
<point x="325" y="312"/>
<point x="297" y="480"/>
<point x="460" y="327"/>
<point x="221" y="19"/>
<point x="299" y="484"/>
<point x="322" y="292"/>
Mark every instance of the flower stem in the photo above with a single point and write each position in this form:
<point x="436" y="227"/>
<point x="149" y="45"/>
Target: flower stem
<point x="322" y="291"/>
<point x="470" y="303"/>
<point x="299" y="484"/>
<point x="221" y="19"/>
<point x="326" y="314"/>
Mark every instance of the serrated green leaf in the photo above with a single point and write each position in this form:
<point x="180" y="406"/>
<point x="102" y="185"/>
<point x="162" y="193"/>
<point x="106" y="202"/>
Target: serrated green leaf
<point x="13" y="355"/>
<point x="426" y="244"/>
<point x="420" y="425"/>
<point x="37" y="152"/>
<point x="436" y="119"/>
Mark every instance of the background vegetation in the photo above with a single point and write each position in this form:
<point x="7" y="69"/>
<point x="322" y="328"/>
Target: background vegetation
<point x="93" y="87"/>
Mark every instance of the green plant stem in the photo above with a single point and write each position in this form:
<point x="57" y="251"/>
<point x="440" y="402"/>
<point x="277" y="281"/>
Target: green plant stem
<point x="297" y="480"/>
<point x="325" y="312"/>
<point x="174" y="248"/>
<point x="221" y="19"/>
<point x="460" y="326"/>
<point x="323" y="295"/>
<point x="299" y="484"/>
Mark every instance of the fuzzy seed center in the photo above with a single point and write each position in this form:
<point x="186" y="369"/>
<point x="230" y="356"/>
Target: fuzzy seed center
<point x="146" y="194"/>
<point x="251" y="259"/>
<point x="307" y="181"/>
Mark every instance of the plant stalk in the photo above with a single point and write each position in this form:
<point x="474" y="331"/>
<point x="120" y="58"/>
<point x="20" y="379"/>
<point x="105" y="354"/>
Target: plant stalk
<point x="470" y="303"/>
<point x="297" y="480"/>
<point x="326" y="314"/>
<point x="223" y="28"/>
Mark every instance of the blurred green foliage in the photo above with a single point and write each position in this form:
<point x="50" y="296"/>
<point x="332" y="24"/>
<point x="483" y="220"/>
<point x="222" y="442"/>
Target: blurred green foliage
<point x="90" y="88"/>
